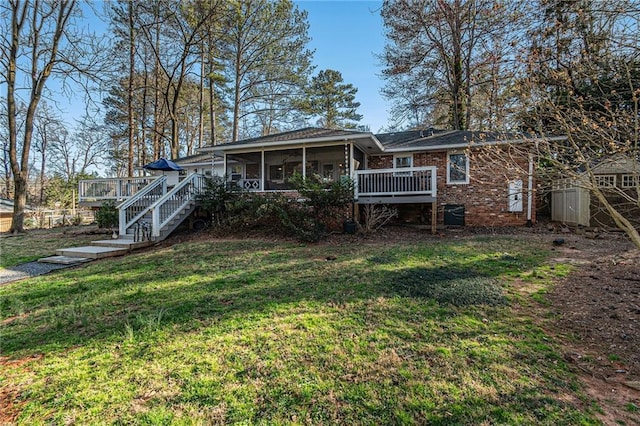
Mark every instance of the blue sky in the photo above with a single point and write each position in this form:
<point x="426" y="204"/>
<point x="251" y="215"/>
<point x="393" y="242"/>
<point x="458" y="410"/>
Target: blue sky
<point x="347" y="36"/>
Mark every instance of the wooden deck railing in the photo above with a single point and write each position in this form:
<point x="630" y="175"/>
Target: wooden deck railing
<point x="388" y="182"/>
<point x="112" y="188"/>
<point x="172" y="203"/>
<point x="134" y="208"/>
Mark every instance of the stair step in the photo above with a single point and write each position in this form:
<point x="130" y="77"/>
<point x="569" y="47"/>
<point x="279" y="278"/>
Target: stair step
<point x="126" y="243"/>
<point x="92" y="252"/>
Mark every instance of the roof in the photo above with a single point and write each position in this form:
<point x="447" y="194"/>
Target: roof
<point x="301" y="136"/>
<point x="296" y="135"/>
<point x="434" y="139"/>
<point x="203" y="157"/>
<point x="411" y="140"/>
<point x="6" y="206"/>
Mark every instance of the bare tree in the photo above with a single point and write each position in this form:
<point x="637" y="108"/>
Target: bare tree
<point x="265" y="43"/>
<point x="584" y="83"/>
<point x="39" y="42"/>
<point x="74" y="153"/>
<point x="48" y="126"/>
<point x="442" y="49"/>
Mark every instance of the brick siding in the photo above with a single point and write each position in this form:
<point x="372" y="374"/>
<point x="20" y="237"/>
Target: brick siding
<point x="485" y="197"/>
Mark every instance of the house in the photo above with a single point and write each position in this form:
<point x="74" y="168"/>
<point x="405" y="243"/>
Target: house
<point x="618" y="177"/>
<point x="6" y="214"/>
<point x="432" y="176"/>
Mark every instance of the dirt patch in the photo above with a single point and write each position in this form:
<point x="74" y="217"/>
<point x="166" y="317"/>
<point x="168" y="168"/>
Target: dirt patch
<point x="10" y="403"/>
<point x="597" y="310"/>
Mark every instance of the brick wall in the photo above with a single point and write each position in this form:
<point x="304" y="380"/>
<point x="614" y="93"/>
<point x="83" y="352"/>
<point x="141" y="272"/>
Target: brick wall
<point x="485" y="197"/>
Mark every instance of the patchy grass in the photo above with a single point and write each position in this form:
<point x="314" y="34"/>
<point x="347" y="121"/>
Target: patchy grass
<point x="259" y="332"/>
<point x="32" y="245"/>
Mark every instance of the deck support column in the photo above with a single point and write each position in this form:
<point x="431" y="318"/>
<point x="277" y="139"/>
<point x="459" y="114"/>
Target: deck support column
<point x="434" y="216"/>
<point x="263" y="169"/>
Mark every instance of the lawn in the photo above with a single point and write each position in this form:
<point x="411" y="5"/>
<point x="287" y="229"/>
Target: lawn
<point x="263" y="332"/>
<point x="38" y="243"/>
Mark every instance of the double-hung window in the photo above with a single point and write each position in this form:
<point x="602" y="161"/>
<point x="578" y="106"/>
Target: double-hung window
<point x="457" y="168"/>
<point x="402" y="161"/>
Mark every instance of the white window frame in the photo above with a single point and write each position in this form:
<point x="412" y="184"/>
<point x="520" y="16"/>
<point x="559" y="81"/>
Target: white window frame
<point x="629" y="181"/>
<point x="606" y="181"/>
<point x="466" y="171"/>
<point x="395" y="164"/>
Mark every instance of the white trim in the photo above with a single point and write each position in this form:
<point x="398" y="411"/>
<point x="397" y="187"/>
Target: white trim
<point x="448" y="168"/>
<point x="605" y="181"/>
<point x="402" y="155"/>
<point x="629" y="180"/>
<point x="277" y="145"/>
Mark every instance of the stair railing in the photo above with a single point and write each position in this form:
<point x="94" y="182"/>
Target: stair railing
<point x="173" y="202"/>
<point x="131" y="210"/>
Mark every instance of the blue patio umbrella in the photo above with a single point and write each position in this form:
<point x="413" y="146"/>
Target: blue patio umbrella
<point x="163" y="164"/>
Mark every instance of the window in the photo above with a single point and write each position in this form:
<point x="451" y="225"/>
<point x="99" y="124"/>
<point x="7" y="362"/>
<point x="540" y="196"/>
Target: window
<point x="629" y="181"/>
<point x="457" y="168"/>
<point x="606" y="180"/>
<point x="236" y="172"/>
<point x="276" y="173"/>
<point x="402" y="161"/>
<point x="327" y="172"/>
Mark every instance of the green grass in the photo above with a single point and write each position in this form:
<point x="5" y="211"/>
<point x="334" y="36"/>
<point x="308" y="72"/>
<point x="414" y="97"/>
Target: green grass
<point x="256" y="332"/>
<point x="35" y="244"/>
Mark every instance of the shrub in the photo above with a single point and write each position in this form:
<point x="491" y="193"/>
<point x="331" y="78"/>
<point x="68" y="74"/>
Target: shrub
<point x="375" y="216"/>
<point x="215" y="198"/>
<point x="307" y="219"/>
<point x="107" y="215"/>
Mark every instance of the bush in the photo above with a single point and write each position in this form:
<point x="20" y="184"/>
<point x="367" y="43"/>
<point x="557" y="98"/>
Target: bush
<point x="215" y="198"/>
<point x="307" y="220"/>
<point x="107" y="215"/>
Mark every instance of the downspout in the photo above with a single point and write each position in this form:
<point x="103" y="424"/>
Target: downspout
<point x="530" y="192"/>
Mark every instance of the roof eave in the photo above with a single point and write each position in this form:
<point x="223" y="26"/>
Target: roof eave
<point x="262" y="145"/>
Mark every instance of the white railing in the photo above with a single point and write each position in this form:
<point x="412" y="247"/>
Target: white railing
<point x="172" y="203"/>
<point x="112" y="188"/>
<point x="405" y="181"/>
<point x="131" y="210"/>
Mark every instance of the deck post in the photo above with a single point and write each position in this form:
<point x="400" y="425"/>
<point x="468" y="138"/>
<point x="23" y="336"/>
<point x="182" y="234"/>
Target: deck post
<point x="434" y="216"/>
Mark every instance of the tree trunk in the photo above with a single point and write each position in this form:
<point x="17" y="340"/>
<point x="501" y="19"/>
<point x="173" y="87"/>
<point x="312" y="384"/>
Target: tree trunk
<point x="212" y="110"/>
<point x="236" y="94"/>
<point x="132" y="52"/>
<point x="201" y="102"/>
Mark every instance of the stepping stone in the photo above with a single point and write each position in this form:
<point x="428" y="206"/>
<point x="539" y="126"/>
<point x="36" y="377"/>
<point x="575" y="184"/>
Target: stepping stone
<point x="64" y="260"/>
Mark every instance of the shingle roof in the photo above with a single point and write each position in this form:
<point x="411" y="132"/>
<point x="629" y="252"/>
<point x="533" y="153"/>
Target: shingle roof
<point x="306" y="133"/>
<point x="196" y="158"/>
<point x="433" y="138"/>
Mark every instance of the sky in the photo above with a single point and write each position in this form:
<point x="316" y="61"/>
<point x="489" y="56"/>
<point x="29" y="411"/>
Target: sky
<point x="347" y="36"/>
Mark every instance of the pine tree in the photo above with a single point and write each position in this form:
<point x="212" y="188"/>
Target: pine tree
<point x="332" y="101"/>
